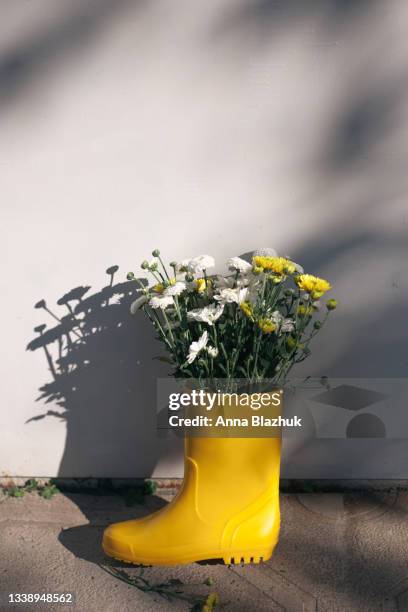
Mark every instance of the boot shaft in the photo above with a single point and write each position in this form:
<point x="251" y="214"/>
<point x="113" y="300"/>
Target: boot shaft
<point x="230" y="474"/>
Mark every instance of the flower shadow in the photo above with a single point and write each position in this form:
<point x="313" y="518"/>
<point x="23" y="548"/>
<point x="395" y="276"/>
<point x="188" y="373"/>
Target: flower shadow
<point x="102" y="384"/>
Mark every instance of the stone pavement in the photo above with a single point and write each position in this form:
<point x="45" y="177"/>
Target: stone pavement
<point x="337" y="552"/>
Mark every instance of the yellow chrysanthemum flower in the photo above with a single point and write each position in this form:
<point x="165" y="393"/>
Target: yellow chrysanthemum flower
<point x="290" y="266"/>
<point x="277" y="265"/>
<point x="276" y="279"/>
<point x="305" y="311"/>
<point x="160" y="287"/>
<point x="247" y="309"/>
<point x="266" y="326"/>
<point x="313" y="285"/>
<point x="201" y="285"/>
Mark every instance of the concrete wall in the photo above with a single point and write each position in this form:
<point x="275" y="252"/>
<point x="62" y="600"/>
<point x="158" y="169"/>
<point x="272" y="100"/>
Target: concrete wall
<point x="212" y="127"/>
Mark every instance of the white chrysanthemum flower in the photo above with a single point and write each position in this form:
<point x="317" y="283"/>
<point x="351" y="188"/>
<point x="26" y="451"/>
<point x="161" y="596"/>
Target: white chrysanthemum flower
<point x="282" y="324"/>
<point x="276" y="317"/>
<point x="138" y="303"/>
<point x="287" y="325"/>
<point x="198" y="264"/>
<point x="229" y="282"/>
<point x="237" y="263"/>
<point x="208" y="314"/>
<point x="197" y="347"/>
<point x="176" y="289"/>
<point x="230" y="296"/>
<point x="222" y="282"/>
<point x="212" y="351"/>
<point x="266" y="252"/>
<point x="162" y="301"/>
<point x="246" y="281"/>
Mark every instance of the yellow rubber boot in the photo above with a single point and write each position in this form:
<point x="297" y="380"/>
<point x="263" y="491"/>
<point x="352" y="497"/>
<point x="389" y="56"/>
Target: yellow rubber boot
<point x="227" y="508"/>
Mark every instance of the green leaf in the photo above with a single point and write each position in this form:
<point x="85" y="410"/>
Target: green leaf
<point x="16" y="492"/>
<point x="31" y="485"/>
<point x="49" y="491"/>
<point x="149" y="487"/>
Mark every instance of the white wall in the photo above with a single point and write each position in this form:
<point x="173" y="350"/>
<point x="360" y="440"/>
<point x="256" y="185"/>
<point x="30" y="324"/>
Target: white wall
<point x="194" y="127"/>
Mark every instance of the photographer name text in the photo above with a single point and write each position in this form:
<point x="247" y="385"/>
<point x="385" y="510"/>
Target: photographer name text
<point x="254" y="421"/>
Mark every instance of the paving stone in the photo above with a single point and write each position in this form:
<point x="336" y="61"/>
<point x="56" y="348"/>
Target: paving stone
<point x="337" y="553"/>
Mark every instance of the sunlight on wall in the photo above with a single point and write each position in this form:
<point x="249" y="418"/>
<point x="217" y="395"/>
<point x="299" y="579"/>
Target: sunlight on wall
<point x="215" y="128"/>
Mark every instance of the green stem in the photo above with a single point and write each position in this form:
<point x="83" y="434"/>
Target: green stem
<point x="226" y="359"/>
<point x="169" y="328"/>
<point x="157" y="325"/>
<point x="164" y="268"/>
<point x="258" y="340"/>
<point x="235" y="358"/>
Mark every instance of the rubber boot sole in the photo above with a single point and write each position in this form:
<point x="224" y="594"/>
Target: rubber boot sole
<point x="228" y="557"/>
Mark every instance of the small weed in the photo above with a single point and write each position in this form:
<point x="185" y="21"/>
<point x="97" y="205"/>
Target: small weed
<point x="171" y="590"/>
<point x="31" y="485"/>
<point x="47" y="491"/>
<point x="15" y="491"/>
<point x="149" y="487"/>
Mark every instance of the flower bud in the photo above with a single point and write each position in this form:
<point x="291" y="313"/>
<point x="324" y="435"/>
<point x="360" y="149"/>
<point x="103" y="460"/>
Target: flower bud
<point x="290" y="342"/>
<point x="156" y="253"/>
<point x="130" y="276"/>
<point x="331" y="304"/>
<point x="153" y="266"/>
<point x="317" y="324"/>
<point x="189" y="278"/>
<point x="173" y="264"/>
<point x="144" y="265"/>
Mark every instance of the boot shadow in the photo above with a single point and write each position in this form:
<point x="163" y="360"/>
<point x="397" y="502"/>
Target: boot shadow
<point x="85" y="541"/>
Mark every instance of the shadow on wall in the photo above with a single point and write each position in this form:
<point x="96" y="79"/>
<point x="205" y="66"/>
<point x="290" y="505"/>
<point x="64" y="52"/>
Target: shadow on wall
<point x="103" y="381"/>
<point x="65" y="31"/>
<point x="358" y="181"/>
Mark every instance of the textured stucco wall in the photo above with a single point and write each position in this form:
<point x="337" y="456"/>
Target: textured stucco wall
<point x="196" y="127"/>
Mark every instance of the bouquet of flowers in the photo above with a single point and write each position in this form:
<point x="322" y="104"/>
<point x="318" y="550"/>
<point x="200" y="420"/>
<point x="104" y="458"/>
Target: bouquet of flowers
<point x="253" y="323"/>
